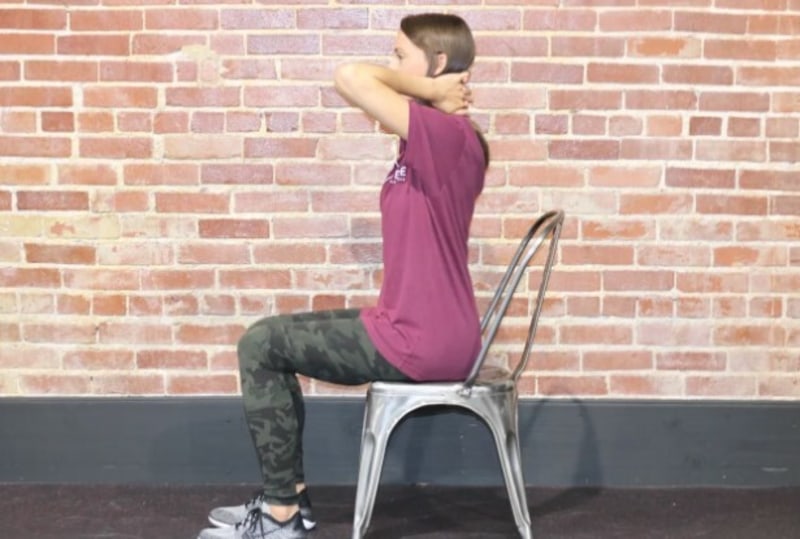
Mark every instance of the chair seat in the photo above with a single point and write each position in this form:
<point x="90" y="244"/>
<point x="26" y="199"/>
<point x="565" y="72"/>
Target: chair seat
<point x="491" y="379"/>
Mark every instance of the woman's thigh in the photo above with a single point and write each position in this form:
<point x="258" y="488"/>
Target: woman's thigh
<point x="332" y="346"/>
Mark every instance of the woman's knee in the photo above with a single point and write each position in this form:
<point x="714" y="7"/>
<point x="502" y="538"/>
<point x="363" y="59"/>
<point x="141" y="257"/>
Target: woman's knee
<point x="254" y="346"/>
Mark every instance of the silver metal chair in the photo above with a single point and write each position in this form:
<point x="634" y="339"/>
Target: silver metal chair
<point x="490" y="393"/>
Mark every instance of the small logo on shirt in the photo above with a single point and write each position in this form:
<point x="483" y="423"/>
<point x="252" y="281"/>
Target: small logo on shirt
<point x="398" y="174"/>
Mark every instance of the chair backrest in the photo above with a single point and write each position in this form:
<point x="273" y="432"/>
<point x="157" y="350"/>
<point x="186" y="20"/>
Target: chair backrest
<point x="548" y="225"/>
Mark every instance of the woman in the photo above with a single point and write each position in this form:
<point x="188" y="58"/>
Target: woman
<point x="425" y="325"/>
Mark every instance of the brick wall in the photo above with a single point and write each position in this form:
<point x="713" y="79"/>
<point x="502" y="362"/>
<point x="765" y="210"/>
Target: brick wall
<point x="172" y="171"/>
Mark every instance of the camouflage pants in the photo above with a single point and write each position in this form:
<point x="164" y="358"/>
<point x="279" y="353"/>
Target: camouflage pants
<point x="332" y="346"/>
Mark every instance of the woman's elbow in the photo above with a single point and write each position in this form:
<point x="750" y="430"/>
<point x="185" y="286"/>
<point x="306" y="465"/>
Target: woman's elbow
<point x="344" y="78"/>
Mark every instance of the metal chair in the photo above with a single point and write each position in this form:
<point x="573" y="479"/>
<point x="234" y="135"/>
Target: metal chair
<point x="489" y="393"/>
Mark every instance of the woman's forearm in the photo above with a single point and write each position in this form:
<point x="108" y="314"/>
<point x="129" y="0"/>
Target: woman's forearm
<point x="357" y="75"/>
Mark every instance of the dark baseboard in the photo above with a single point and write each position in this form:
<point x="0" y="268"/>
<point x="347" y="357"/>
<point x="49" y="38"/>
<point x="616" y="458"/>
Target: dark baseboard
<point x="564" y="443"/>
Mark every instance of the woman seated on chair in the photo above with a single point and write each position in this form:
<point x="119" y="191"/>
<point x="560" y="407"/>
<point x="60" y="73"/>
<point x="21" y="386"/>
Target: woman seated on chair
<point x="425" y="325"/>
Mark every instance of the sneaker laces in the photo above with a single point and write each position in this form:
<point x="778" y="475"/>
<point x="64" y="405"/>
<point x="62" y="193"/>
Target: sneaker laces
<point x="252" y="521"/>
<point x="256" y="500"/>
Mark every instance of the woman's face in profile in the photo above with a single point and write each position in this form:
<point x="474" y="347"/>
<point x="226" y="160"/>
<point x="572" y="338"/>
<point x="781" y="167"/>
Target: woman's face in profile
<point x="408" y="58"/>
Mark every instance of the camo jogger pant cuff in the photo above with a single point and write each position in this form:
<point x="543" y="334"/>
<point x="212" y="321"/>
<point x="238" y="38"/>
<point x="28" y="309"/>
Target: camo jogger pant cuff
<point x="332" y="346"/>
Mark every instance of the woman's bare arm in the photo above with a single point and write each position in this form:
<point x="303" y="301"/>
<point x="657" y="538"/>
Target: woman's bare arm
<point x="383" y="93"/>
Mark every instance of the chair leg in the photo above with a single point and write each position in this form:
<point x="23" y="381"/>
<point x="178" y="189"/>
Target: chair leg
<point x="373" y="449"/>
<point x="502" y="421"/>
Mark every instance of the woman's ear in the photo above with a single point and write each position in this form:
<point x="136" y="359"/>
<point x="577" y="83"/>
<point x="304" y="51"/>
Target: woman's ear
<point x="441" y="63"/>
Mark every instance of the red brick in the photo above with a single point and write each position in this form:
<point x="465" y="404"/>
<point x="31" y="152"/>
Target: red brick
<point x="116" y="148"/>
<point x="740" y="49"/>
<point x="700" y="178"/>
<point x="707" y="283"/>
<point x="59" y="254"/>
<point x="665" y="47"/>
<point x="95" y="122"/>
<point x="34" y="19"/>
<point x="624" y="126"/>
<point x="202" y="97"/>
<point x="110" y="305"/>
<point x="292" y="147"/>
<point x="654" y="384"/>
<point x="741" y="205"/>
<point x="638" y="280"/>
<point x="58" y="122"/>
<point x="16" y="43"/>
<point x="94" y="44"/>
<point x="54" y="384"/>
<point x="52" y="200"/>
<point x="704" y="125"/>
<point x="779" y="386"/>
<point x="624" y="176"/>
<point x="181" y="19"/>
<point x="585" y="100"/>
<point x="661" y="99"/>
<point x="250" y="19"/>
<point x="664" y="126"/>
<point x="105" y="20"/>
<point x="606" y="255"/>
<point x="18" y="122"/>
<point x="507" y="46"/>
<point x="271" y="202"/>
<point x="636" y="20"/>
<point x="788" y="152"/>
<point x="673" y="255"/>
<point x="622" y="73"/>
<point x="760" y="5"/>
<point x="546" y="72"/>
<point x="744" y="127"/>
<point x="650" y="204"/>
<point x="99" y="360"/>
<point x="255" y="279"/>
<point x="613" y="361"/>
<point x="303" y="253"/>
<point x="786" y="102"/>
<point x="584" y="149"/>
<point x="690" y="333"/>
<point x="36" y="97"/>
<point x="656" y="149"/>
<point x="772" y="230"/>
<point x="73" y="304"/>
<point x="242" y="122"/>
<point x="706" y="74"/>
<point x="289" y="44"/>
<point x="783" y="127"/>
<point x="160" y="44"/>
<point x="710" y="22"/>
<point x="616" y="230"/>
<point x="769" y="180"/>
<point x="586" y="46"/>
<point x="720" y="386"/>
<point x="234" y="228"/>
<point x="691" y="361"/>
<point x="572" y="20"/>
<point x="332" y="18"/>
<point x="571" y="385"/>
<point x="785" y="205"/>
<point x="517" y="149"/>
<point x="542" y="175"/>
<point x="10" y="71"/>
<point x="749" y="256"/>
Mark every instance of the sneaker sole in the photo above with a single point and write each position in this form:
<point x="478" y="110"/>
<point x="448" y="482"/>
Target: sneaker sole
<point x="307" y="524"/>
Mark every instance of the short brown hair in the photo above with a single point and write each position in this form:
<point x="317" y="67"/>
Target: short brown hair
<point x="439" y="33"/>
